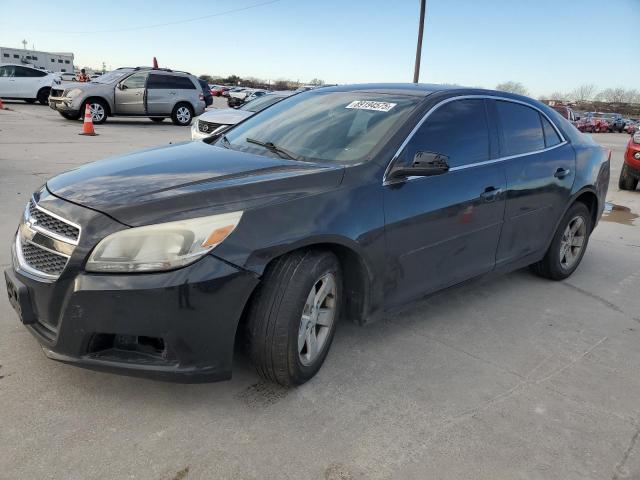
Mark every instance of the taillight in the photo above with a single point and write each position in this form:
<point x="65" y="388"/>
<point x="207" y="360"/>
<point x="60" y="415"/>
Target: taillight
<point x="201" y="96"/>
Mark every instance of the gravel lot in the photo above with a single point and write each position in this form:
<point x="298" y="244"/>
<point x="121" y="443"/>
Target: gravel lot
<point x="515" y="377"/>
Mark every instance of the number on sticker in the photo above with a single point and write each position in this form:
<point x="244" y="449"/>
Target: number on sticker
<point x="371" y="105"/>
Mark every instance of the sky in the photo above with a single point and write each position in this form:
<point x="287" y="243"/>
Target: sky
<point x="547" y="45"/>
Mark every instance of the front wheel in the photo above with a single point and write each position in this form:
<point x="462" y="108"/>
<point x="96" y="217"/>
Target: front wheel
<point x="626" y="181"/>
<point x="98" y="110"/>
<point x="568" y="245"/>
<point x="293" y="315"/>
<point x="182" y="114"/>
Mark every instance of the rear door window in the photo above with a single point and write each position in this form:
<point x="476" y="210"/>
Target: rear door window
<point x="551" y="137"/>
<point x="521" y="128"/>
<point x="457" y="129"/>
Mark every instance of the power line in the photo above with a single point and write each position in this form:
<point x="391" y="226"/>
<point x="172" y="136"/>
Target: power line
<point x="177" y="22"/>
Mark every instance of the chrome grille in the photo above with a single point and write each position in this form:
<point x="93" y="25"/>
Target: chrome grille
<point x="43" y="260"/>
<point x="208" y="127"/>
<point x="52" y="224"/>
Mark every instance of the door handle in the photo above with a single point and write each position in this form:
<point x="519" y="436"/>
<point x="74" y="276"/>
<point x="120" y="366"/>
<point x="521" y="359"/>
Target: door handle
<point x="139" y="93"/>
<point x="562" y="172"/>
<point x="490" y="194"/>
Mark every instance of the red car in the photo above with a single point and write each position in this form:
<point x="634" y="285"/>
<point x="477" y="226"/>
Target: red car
<point x="630" y="173"/>
<point x="218" y="90"/>
<point x="592" y="124"/>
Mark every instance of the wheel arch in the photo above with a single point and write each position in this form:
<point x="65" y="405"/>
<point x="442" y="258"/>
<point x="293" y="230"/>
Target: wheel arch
<point x="588" y="197"/>
<point x="102" y="99"/>
<point x="357" y="274"/>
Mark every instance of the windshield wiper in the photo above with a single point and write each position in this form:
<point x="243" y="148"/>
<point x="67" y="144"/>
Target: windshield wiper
<point x="275" y="149"/>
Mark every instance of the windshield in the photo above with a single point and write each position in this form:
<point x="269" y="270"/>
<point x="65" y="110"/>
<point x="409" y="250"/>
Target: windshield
<point x="111" y="76"/>
<point x="325" y="126"/>
<point x="261" y="103"/>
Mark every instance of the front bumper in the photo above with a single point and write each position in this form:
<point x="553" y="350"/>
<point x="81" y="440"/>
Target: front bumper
<point x="176" y="326"/>
<point x="64" y="104"/>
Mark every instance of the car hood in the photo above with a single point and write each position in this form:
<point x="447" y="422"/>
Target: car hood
<point x="227" y="116"/>
<point x="188" y="180"/>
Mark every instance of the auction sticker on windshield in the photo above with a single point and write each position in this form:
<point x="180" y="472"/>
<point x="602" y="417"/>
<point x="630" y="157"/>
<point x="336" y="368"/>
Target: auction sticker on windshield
<point x="371" y="105"/>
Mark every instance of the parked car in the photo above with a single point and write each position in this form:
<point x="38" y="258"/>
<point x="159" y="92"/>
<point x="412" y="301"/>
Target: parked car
<point x="218" y="90"/>
<point x="227" y="93"/>
<point x="567" y="113"/>
<point x="206" y="93"/>
<point x="240" y="98"/>
<point x="133" y="92"/>
<point x="630" y="173"/>
<point x="338" y="202"/>
<point x="68" y="77"/>
<point x="630" y="126"/>
<point x="614" y="121"/>
<point x="212" y="121"/>
<point x="19" y="82"/>
<point x="592" y="123"/>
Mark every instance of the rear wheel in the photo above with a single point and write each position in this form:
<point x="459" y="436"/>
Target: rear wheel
<point x="157" y="119"/>
<point x="43" y="96"/>
<point x="293" y="314"/>
<point x="568" y="246"/>
<point x="182" y="114"/>
<point x="98" y="109"/>
<point x="626" y="181"/>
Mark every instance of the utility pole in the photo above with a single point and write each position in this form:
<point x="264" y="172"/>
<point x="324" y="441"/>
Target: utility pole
<point x="24" y="44"/>
<point x="416" y="70"/>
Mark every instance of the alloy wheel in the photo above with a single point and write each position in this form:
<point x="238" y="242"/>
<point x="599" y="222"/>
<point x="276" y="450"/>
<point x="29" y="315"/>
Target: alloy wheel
<point x="572" y="242"/>
<point x="317" y="319"/>
<point x="183" y="115"/>
<point x="97" y="112"/>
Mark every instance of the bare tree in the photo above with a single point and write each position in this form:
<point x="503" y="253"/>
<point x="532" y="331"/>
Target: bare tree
<point x="512" y="87"/>
<point x="612" y="95"/>
<point x="631" y="96"/>
<point x="558" y="96"/>
<point x="584" y="93"/>
<point x="317" y="82"/>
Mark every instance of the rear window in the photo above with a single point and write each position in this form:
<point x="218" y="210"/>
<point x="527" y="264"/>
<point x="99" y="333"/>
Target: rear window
<point x="521" y="128"/>
<point x="157" y="81"/>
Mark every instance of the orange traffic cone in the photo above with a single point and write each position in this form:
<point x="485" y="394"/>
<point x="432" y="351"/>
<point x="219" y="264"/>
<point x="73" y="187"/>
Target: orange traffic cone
<point x="1" y="105"/>
<point x="87" y="125"/>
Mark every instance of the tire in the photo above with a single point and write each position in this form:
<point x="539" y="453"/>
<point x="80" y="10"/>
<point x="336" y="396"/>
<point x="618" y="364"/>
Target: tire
<point x="157" y="119"/>
<point x="277" y="323"/>
<point x="43" y="96"/>
<point x="182" y="114"/>
<point x="99" y="110"/>
<point x="70" y="116"/>
<point x="552" y="265"/>
<point x="30" y="100"/>
<point x="626" y="181"/>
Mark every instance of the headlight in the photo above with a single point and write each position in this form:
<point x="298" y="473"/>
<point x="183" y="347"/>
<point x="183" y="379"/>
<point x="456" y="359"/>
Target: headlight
<point x="163" y="246"/>
<point x="72" y="93"/>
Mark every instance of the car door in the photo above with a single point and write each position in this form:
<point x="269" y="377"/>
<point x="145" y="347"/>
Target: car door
<point x="8" y="86"/>
<point x="130" y="95"/>
<point x="443" y="229"/>
<point x="540" y="170"/>
<point x="161" y="94"/>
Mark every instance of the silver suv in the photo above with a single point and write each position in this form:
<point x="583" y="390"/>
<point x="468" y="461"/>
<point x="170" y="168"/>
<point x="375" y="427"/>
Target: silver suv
<point x="132" y="92"/>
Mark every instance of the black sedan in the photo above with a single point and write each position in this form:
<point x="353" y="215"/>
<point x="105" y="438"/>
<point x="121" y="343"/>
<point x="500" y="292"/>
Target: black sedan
<point x="342" y="202"/>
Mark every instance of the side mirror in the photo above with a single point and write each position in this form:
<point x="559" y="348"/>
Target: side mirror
<point x="122" y="86"/>
<point x="424" y="164"/>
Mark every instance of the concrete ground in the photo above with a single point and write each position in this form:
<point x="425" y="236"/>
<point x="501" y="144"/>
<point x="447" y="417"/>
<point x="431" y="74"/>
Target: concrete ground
<point x="516" y="377"/>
